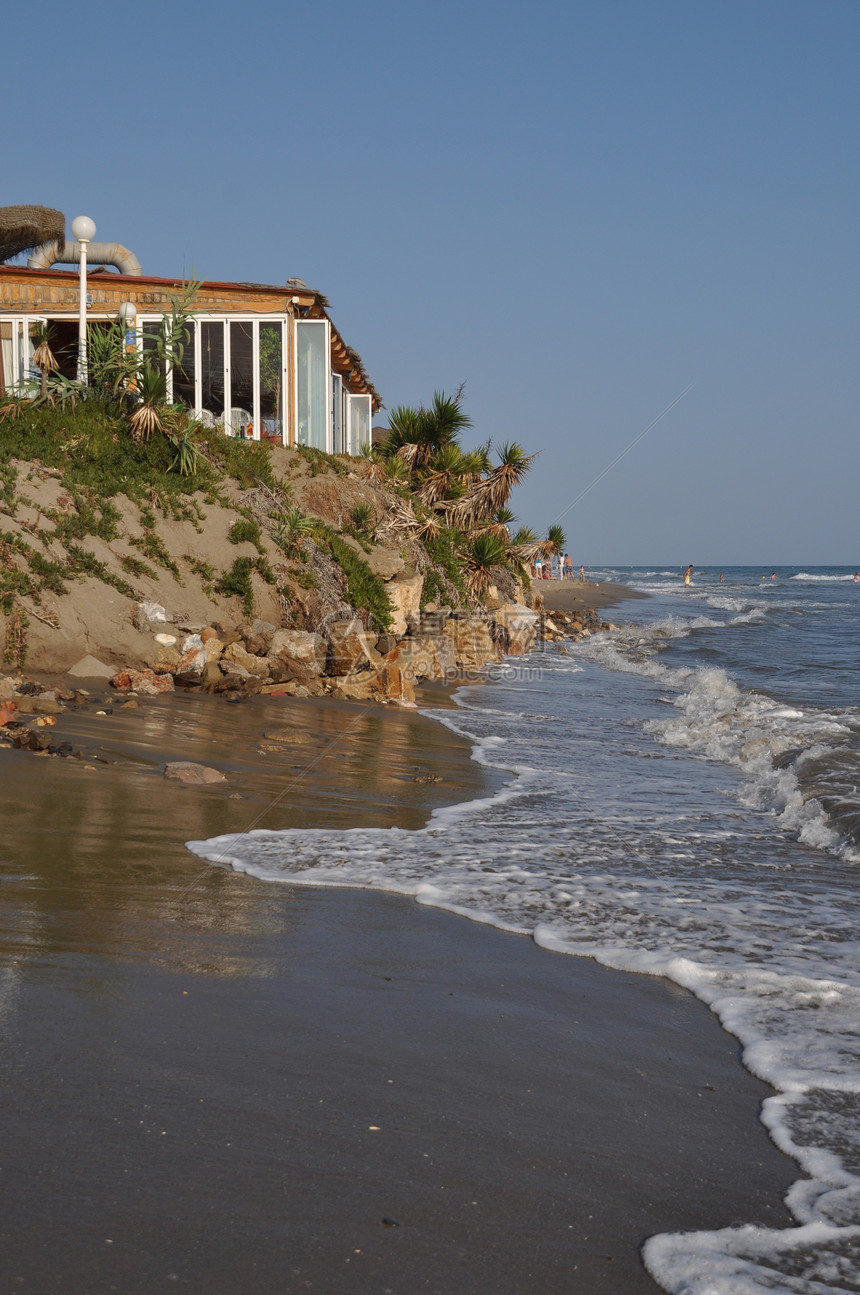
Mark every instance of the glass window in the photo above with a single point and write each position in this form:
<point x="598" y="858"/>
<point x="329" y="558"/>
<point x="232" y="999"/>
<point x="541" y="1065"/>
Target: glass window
<point x="211" y="367"/>
<point x="7" y="361"/>
<point x="337" y="440"/>
<point x="241" y="377"/>
<point x="312" y="394"/>
<point x="271" y="381"/>
<point x="184" y="366"/>
<point x="359" y="423"/>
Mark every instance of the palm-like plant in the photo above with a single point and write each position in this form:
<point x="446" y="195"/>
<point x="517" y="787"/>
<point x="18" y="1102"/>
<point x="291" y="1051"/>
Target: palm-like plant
<point x="147" y="415"/>
<point x="416" y="435"/>
<point x="43" y="357"/>
<point x="485" y="552"/>
<point x="555" y="541"/>
<point x="290" y="526"/>
<point x="444" y="474"/>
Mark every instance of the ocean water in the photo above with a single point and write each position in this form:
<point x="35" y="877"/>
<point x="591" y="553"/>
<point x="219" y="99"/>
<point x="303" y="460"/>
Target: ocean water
<point x="682" y="799"/>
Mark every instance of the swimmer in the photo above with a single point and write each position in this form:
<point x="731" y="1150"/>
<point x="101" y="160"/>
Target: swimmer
<point x="721" y="577"/>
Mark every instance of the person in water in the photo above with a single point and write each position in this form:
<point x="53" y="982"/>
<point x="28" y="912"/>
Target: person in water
<point x="721" y="577"/>
<point x="687" y="575"/>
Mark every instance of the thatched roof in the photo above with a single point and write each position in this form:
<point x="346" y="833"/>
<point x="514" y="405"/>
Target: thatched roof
<point x="24" y="227"/>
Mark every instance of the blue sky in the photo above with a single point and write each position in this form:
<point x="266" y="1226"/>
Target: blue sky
<point x="576" y="211"/>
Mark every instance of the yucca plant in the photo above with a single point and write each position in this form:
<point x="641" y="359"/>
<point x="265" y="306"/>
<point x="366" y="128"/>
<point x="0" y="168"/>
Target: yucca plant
<point x="290" y="526"/>
<point x="397" y="470"/>
<point x="485" y="552"/>
<point x="147" y="416"/>
<point x="362" y="516"/>
<point x="43" y="357"/>
<point x="555" y="541"/>
<point x="188" y="453"/>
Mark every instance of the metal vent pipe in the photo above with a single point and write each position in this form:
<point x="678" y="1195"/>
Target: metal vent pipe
<point x="69" y="253"/>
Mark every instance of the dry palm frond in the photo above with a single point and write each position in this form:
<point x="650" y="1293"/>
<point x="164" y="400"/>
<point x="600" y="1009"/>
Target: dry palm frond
<point x="399" y="522"/>
<point x="144" y="421"/>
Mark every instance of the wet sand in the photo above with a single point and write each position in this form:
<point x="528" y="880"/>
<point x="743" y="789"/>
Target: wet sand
<point x="213" y="1084"/>
<point x="572" y="595"/>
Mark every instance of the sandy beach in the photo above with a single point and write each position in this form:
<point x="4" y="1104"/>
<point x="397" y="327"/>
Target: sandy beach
<point x="574" y="595"/>
<point x="219" y="1085"/>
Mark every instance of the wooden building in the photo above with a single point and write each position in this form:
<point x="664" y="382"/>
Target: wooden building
<point x="261" y="361"/>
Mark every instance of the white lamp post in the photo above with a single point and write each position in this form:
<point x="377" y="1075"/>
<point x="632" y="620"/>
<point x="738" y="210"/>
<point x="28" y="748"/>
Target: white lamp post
<point x="83" y="229"/>
<point x="128" y="314"/>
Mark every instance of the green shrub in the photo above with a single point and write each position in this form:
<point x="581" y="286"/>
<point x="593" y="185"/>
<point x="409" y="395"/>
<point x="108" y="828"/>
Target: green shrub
<point x="237" y="581"/>
<point x="246" y="531"/>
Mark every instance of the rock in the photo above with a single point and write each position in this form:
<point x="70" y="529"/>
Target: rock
<point x="384" y="563"/>
<point x="167" y="660"/>
<point x="211" y="674"/>
<point x="353" y="687"/>
<point x="7" y="688"/>
<point x="146" y="614"/>
<point x="519" y="626"/>
<point x="473" y="643"/>
<point x="235" y="654"/>
<point x="395" y="684"/>
<point x="39" y="706"/>
<point x="166" y="640"/>
<point x="404" y="594"/>
<point x="192" y="660"/>
<point x="213" y="647"/>
<point x="146" y="683"/>
<point x="89" y="667"/>
<point x="301" y="649"/>
<point x="186" y="771"/>
<point x="349" y="649"/>
<point x="425" y="656"/>
<point x="8" y="712"/>
<point x="208" y="633"/>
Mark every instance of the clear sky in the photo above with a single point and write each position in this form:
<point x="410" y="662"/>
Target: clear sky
<point x="578" y="210"/>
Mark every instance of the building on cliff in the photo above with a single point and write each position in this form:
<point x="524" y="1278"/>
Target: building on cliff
<point x="261" y="361"/>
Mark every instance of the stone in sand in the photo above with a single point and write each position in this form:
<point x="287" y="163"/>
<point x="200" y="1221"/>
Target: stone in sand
<point x="187" y="771"/>
<point x="89" y="667"/>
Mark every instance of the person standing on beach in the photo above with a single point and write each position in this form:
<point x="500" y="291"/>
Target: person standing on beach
<point x="581" y="574"/>
<point x="687" y="575"/>
<point x="568" y="567"/>
<point x="538" y="567"/>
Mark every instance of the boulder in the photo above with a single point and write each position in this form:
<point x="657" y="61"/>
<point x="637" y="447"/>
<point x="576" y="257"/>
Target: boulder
<point x="7" y="688"/>
<point x="425" y="656"/>
<point x="384" y="563"/>
<point x="353" y="687"/>
<point x="186" y="771"/>
<point x="394" y="684"/>
<point x="167" y="660"/>
<point x="235" y="654"/>
<point x="213" y="647"/>
<point x="146" y="614"/>
<point x="519" y="626"/>
<point x="349" y="650"/>
<point x="146" y="683"/>
<point x="473" y="643"/>
<point x="297" y="648"/>
<point x="404" y="594"/>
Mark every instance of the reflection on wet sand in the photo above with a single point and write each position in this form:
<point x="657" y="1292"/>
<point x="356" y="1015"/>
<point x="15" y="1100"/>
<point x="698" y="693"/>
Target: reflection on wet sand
<point x="93" y="860"/>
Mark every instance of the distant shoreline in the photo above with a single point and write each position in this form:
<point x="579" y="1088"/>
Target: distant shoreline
<point x="571" y="595"/>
